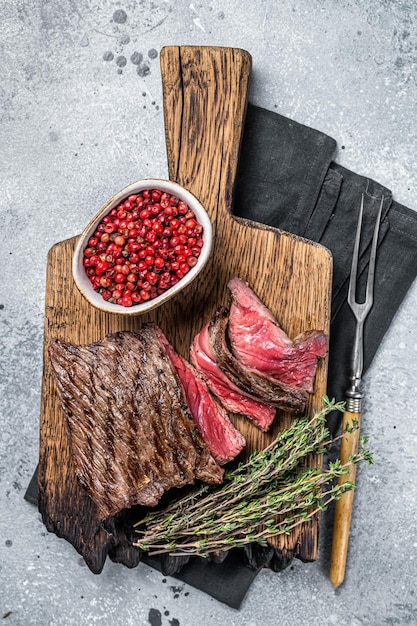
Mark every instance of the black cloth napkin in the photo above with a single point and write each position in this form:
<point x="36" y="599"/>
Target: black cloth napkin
<point x="287" y="179"/>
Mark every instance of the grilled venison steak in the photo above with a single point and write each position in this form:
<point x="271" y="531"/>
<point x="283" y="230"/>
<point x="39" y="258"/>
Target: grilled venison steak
<point x="221" y="437"/>
<point x="260" y="344"/>
<point x="270" y="390"/>
<point x="232" y="398"/>
<point x="131" y="433"/>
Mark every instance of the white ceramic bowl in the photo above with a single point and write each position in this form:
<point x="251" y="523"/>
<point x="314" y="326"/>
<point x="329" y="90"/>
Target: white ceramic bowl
<point x="80" y="277"/>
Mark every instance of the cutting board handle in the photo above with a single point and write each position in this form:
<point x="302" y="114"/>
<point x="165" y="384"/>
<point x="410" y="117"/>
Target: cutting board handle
<point x="205" y="96"/>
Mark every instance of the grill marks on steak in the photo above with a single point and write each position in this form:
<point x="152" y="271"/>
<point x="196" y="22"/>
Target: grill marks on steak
<point x="285" y="397"/>
<point x="131" y="433"/>
<point x="221" y="437"/>
<point x="232" y="398"/>
<point x="142" y="420"/>
<point x="260" y="344"/>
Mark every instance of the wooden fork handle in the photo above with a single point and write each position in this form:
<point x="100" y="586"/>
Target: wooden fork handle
<point x="343" y="509"/>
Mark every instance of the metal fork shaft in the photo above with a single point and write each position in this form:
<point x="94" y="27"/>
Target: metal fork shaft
<point x="354" y="393"/>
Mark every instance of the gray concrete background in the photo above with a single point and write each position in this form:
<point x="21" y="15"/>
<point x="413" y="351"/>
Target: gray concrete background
<point x="76" y="127"/>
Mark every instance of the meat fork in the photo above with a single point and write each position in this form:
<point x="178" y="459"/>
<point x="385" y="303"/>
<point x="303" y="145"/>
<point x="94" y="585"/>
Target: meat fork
<point x="351" y="418"/>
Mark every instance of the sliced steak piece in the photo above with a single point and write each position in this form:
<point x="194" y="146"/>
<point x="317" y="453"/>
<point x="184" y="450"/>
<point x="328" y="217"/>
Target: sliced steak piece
<point x="259" y="343"/>
<point x="131" y="433"/>
<point x="232" y="398"/>
<point x="221" y="437"/>
<point x="285" y="397"/>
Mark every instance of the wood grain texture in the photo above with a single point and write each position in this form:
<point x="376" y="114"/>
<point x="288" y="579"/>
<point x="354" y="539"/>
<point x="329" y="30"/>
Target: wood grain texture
<point x="343" y="509"/>
<point x="205" y="96"/>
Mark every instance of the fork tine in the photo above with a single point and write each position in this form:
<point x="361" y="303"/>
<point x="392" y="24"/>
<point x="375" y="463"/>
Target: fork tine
<point x="362" y="308"/>
<point x="354" y="267"/>
<point x="371" y="272"/>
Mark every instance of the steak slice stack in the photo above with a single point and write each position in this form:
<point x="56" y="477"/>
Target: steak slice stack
<point x="259" y="343"/>
<point x="132" y="435"/>
<point x="255" y="383"/>
<point x="221" y="437"/>
<point x="232" y="398"/>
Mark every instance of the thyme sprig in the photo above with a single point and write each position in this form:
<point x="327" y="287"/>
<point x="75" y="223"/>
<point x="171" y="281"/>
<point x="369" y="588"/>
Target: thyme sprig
<point x="270" y="494"/>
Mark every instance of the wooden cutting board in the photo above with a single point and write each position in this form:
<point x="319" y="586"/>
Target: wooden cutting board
<point x="205" y="96"/>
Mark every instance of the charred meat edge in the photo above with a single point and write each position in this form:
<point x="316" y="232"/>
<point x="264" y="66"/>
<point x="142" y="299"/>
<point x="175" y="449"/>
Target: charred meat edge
<point x="259" y="413"/>
<point x="284" y="397"/>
